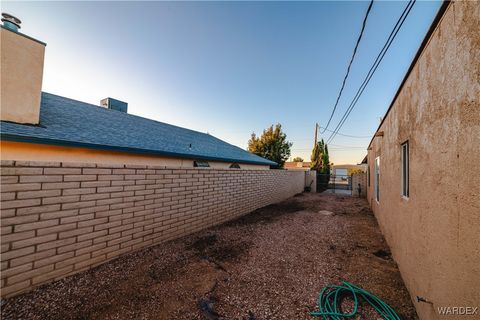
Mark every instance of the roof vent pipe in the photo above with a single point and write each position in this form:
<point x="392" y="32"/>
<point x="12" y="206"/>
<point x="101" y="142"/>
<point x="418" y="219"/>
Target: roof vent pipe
<point x="11" y="22"/>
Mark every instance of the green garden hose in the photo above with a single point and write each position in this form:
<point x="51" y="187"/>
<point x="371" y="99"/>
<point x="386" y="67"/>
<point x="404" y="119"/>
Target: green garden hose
<point x="331" y="297"/>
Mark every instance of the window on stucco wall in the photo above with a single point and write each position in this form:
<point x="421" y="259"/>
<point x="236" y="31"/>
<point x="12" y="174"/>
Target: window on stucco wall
<point x="377" y="179"/>
<point x="405" y="169"/>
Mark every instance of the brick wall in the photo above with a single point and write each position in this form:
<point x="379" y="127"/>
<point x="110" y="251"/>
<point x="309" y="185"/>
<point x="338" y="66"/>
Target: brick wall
<point x="359" y="179"/>
<point x="58" y="219"/>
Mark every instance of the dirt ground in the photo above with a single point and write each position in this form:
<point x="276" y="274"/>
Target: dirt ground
<point x="269" y="264"/>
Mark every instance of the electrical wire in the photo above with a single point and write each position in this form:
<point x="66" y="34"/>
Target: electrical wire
<point x="350" y="64"/>
<point x="374" y="67"/>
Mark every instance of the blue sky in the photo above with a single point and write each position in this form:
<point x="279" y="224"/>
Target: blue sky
<point x="229" y="68"/>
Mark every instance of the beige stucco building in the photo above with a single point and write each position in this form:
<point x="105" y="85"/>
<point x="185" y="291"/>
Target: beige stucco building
<point x="424" y="182"/>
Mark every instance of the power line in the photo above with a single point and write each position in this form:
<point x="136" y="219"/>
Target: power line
<point x="350" y="64"/>
<point x="373" y="68"/>
<point x="346" y="135"/>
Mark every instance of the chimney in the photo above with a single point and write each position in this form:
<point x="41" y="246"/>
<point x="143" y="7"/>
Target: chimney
<point x="114" y="104"/>
<point x="21" y="73"/>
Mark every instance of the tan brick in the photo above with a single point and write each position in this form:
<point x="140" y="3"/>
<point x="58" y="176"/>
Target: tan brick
<point x="97" y="171"/>
<point x="33" y="241"/>
<point x="28" y="163"/>
<point x="20" y="203"/>
<point x="21" y="187"/>
<point x="52" y="259"/>
<point x="92" y="235"/>
<point x="55" y="229"/>
<point x="28" y="275"/>
<point x="56" y="243"/>
<point x="110" y="177"/>
<point x="76" y="232"/>
<point x="62" y="171"/>
<point x="61" y="199"/>
<point x="91" y="184"/>
<point x="78" y="165"/>
<point x="122" y="183"/>
<point x="75" y="246"/>
<point x="39" y="209"/>
<point x="4" y="196"/>
<point x="94" y="209"/>
<point x="60" y="185"/>
<point x="109" y="189"/>
<point x="18" y="220"/>
<point x="79" y="177"/>
<point x="17" y="236"/>
<point x="123" y="171"/>
<point x="80" y="191"/>
<point x="95" y="196"/>
<point x="16" y="270"/>
<point x="12" y="254"/>
<point x="90" y="262"/>
<point x="19" y="171"/>
<point x="7" y="229"/>
<point x="78" y="205"/>
<point x="93" y="222"/>
<point x="8" y="179"/>
<point x="106" y="238"/>
<point x="90" y="248"/>
<point x="32" y="257"/>
<point x="38" y="194"/>
<point x="51" y="275"/>
<point x="73" y="260"/>
<point x="15" y="288"/>
<point x="117" y="253"/>
<point x="42" y="178"/>
<point x="35" y="225"/>
<point x="58" y="214"/>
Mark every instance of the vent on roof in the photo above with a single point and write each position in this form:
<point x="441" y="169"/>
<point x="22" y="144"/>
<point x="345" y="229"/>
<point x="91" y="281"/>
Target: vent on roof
<point x="114" y="104"/>
<point x="11" y="22"/>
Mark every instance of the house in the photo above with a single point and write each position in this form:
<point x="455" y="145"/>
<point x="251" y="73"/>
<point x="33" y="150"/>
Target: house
<point x="421" y="185"/>
<point x="292" y="165"/>
<point x="84" y="184"/>
<point x="45" y="127"/>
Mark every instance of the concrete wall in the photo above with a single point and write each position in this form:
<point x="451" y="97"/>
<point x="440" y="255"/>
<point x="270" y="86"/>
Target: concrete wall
<point x="58" y="219"/>
<point x="359" y="180"/>
<point x="21" y="76"/>
<point x="40" y="152"/>
<point x="435" y="233"/>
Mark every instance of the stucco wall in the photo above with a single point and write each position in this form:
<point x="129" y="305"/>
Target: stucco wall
<point x="21" y="76"/>
<point x="435" y="233"/>
<point x="58" y="218"/>
<point x="40" y="152"/>
<point x="359" y="180"/>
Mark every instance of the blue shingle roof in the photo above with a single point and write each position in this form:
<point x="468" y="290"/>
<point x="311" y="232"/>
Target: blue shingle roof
<point x="69" y="122"/>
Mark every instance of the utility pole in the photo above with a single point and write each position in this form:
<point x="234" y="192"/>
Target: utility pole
<point x="316" y="130"/>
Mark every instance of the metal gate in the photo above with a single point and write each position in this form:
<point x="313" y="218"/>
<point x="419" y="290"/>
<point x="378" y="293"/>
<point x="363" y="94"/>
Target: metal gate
<point x="336" y="183"/>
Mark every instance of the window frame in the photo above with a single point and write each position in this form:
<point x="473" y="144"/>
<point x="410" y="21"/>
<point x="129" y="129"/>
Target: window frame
<point x="405" y="170"/>
<point x="376" y="176"/>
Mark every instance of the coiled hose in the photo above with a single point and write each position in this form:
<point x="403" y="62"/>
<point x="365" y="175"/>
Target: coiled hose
<point x="331" y="297"/>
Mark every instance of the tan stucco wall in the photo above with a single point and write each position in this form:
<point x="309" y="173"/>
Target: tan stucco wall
<point x="21" y="77"/>
<point x="40" y="152"/>
<point x="435" y="233"/>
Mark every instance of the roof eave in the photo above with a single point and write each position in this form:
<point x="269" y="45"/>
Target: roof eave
<point x="93" y="146"/>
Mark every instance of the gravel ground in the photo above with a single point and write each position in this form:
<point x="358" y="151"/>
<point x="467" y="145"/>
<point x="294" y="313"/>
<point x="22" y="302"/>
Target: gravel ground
<point x="269" y="264"/>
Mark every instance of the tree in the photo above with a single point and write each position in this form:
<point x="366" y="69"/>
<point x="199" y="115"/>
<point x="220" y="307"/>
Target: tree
<point x="297" y="159"/>
<point x="320" y="158"/>
<point x="353" y="171"/>
<point x="272" y="145"/>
